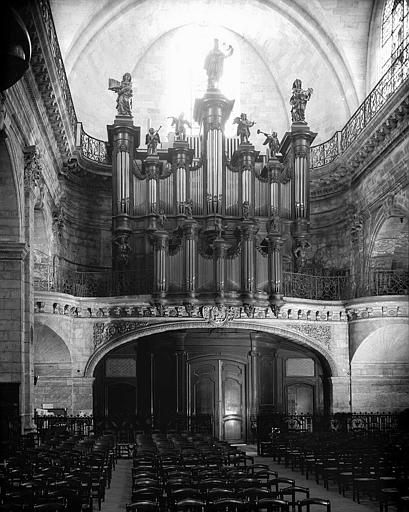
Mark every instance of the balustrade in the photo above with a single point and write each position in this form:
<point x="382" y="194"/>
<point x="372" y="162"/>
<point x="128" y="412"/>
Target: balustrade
<point x="107" y="283"/>
<point x="391" y="81"/>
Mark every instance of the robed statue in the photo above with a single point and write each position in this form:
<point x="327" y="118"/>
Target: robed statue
<point x="299" y="100"/>
<point x="124" y="91"/>
<point x="152" y="140"/>
<point x="180" y="124"/>
<point x="272" y="142"/>
<point x="243" y="128"/>
<point x="214" y="64"/>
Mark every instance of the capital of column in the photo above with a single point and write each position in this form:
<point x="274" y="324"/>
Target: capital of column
<point x="212" y="110"/>
<point x="244" y="158"/>
<point x="219" y="248"/>
<point x="32" y="167"/>
<point x="275" y="242"/>
<point x="160" y="240"/>
<point x="248" y="229"/>
<point x="190" y="227"/>
<point x="180" y="155"/>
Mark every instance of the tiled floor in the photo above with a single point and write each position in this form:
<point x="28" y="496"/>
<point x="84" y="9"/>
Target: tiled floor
<point x="119" y="493"/>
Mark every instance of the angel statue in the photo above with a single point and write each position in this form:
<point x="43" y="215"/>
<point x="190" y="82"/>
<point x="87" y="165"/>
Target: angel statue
<point x="299" y="100"/>
<point x="273" y="144"/>
<point x="179" y="123"/>
<point x="152" y="140"/>
<point x="214" y="64"/>
<point x="243" y="128"/>
<point x="124" y="91"/>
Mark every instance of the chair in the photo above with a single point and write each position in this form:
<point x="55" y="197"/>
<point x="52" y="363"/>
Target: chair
<point x="219" y="493"/>
<point x="272" y="505"/>
<point x="50" y="507"/>
<point x="143" y="506"/>
<point x="227" y="505"/>
<point x="293" y="491"/>
<point x="312" y="504"/>
<point x="11" y="507"/>
<point x="278" y="483"/>
<point x="189" y="505"/>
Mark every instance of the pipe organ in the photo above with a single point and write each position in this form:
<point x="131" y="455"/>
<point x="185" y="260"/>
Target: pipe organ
<point x="210" y="219"/>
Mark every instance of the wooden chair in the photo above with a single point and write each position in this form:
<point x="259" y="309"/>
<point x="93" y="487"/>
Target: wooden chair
<point x="227" y="505"/>
<point x="280" y="483"/>
<point x="50" y="507"/>
<point x="189" y="505"/>
<point x="143" y="506"/>
<point x="313" y="503"/>
<point x="293" y="491"/>
<point x="272" y="505"/>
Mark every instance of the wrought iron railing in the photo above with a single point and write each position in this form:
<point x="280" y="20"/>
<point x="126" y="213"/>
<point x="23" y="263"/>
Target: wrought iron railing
<point x="396" y="75"/>
<point x="270" y="423"/>
<point x="107" y="283"/>
<point x="388" y="282"/>
<point x="305" y="286"/>
<point x="93" y="149"/>
<point x="59" y="63"/>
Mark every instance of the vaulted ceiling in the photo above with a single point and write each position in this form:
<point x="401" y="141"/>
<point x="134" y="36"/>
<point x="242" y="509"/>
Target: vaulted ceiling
<point x="326" y="43"/>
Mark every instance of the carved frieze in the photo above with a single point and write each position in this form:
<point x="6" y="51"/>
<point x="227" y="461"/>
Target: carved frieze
<point x="220" y="314"/>
<point x="377" y="311"/>
<point x="32" y="167"/>
<point x="319" y="332"/>
<point x="104" y="332"/>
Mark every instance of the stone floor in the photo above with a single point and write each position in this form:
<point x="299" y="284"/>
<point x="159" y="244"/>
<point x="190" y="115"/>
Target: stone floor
<point x="120" y="491"/>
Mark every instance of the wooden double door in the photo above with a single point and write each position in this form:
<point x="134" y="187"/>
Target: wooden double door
<point x="218" y="387"/>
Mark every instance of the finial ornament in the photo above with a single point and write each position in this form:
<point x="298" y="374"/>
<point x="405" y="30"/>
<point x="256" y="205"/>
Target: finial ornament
<point x="124" y="91"/>
<point x="299" y="100"/>
<point x="243" y="128"/>
<point x="214" y="63"/>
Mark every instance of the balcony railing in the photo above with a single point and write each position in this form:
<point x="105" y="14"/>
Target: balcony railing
<point x="109" y="283"/>
<point x="93" y="149"/>
<point x="396" y="75"/>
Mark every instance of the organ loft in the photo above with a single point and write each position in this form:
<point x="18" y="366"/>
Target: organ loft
<point x="209" y="235"/>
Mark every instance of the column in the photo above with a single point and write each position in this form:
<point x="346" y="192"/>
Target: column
<point x="248" y="230"/>
<point x="220" y="248"/>
<point x="275" y="244"/>
<point x="123" y="138"/>
<point x="190" y="251"/>
<point x="211" y="112"/>
<point x="180" y="156"/>
<point x="160" y="244"/>
<point x="32" y="177"/>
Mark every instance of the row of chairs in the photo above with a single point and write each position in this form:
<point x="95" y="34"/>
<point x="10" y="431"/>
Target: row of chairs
<point x="176" y="472"/>
<point x="376" y="468"/>
<point x="68" y="473"/>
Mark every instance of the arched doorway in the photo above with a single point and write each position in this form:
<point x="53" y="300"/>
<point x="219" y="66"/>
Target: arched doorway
<point x="210" y="378"/>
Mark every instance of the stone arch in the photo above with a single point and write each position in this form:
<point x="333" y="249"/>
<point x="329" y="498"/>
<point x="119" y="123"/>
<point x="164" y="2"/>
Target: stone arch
<point x="11" y="209"/>
<point x="385" y="346"/>
<point x="51" y="354"/>
<point x="391" y="221"/>
<point x="287" y="333"/>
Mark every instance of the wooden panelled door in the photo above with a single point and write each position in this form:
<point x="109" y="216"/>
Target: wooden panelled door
<point x="218" y="387"/>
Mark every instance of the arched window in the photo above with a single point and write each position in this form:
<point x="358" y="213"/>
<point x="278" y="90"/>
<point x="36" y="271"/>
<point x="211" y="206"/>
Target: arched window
<point x="394" y="33"/>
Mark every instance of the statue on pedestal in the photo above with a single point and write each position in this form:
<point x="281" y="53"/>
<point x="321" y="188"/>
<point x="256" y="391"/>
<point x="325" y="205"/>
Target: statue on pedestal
<point x="299" y="100"/>
<point x="124" y="91"/>
<point x="179" y="123"/>
<point x="273" y="144"/>
<point x="243" y="128"/>
<point x="152" y="140"/>
<point x="214" y="64"/>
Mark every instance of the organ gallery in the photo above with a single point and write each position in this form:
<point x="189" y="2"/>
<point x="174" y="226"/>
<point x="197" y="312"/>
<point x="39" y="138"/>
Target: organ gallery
<point x="207" y="250"/>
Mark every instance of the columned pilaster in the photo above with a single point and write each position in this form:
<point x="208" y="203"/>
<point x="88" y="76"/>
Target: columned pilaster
<point x="160" y="245"/>
<point x="248" y="230"/>
<point x="190" y="253"/>
<point x="123" y="138"/>
<point x="220" y="248"/>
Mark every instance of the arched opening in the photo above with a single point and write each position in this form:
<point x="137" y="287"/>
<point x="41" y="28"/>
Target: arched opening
<point x="216" y="379"/>
<point x="381" y="363"/>
<point x="52" y="371"/>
